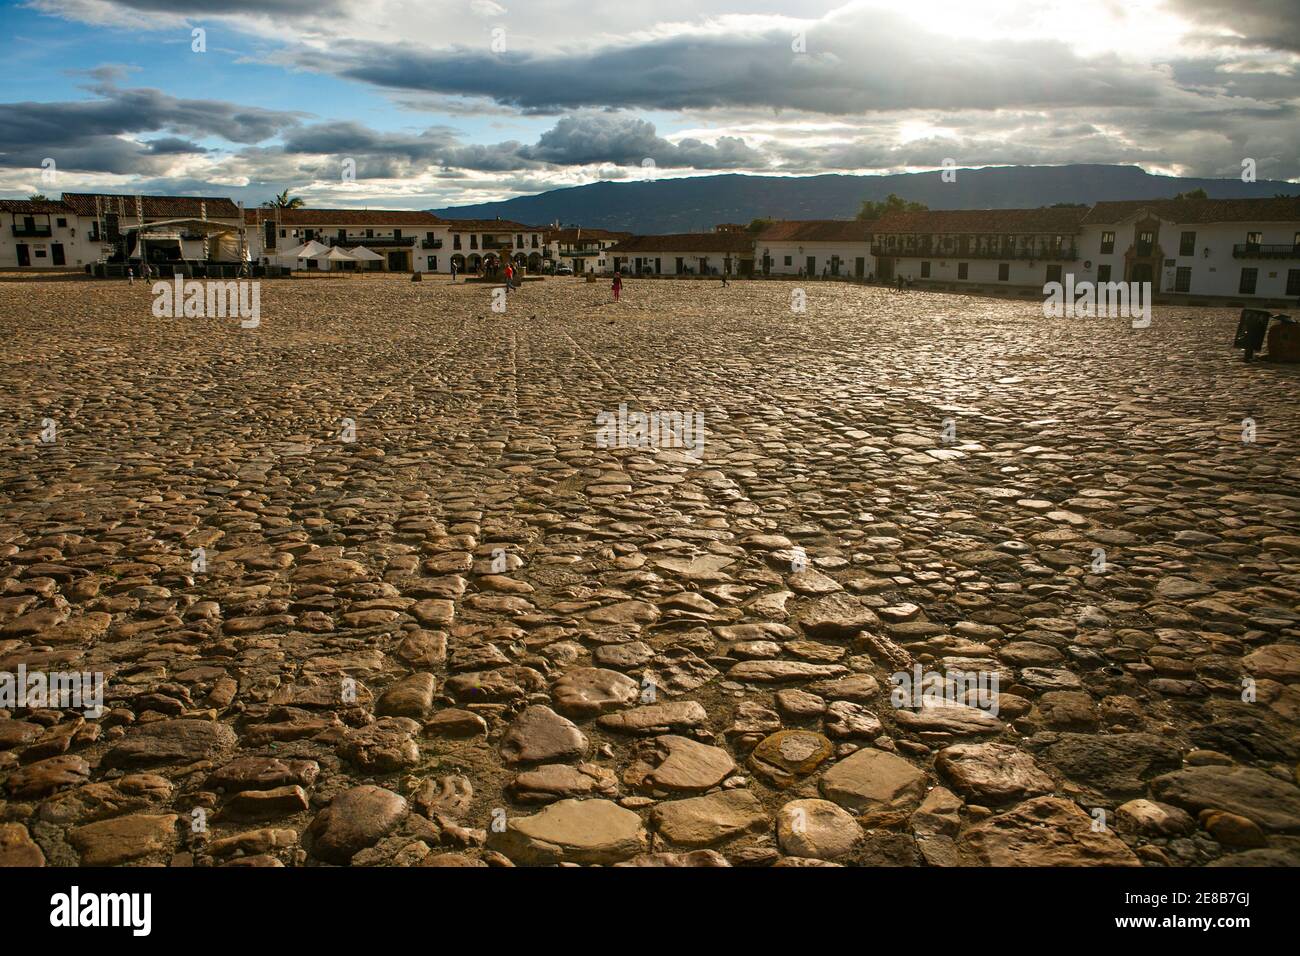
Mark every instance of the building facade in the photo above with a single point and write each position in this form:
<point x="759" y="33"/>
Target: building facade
<point x="582" y="250"/>
<point x="816" y="247"/>
<point x="483" y="245"/>
<point x="85" y="228"/>
<point x="685" y="254"/>
<point x="409" y="241"/>
<point x="1201" y="249"/>
<point x="39" y="234"/>
<point x="1011" y="248"/>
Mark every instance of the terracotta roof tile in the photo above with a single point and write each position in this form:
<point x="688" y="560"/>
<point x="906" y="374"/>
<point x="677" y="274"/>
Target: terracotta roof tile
<point x="575" y="234"/>
<point x="982" y="221"/>
<point x="31" y="207"/>
<point x="817" y="230"/>
<point x="1285" y="209"/>
<point x="155" y="207"/>
<point x="491" y="225"/>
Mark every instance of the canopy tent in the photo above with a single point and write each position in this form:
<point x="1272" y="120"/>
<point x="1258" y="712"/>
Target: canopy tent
<point x="308" y="250"/>
<point x="333" y="255"/>
<point x="366" y="255"/>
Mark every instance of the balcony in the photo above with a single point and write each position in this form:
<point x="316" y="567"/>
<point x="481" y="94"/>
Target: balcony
<point x="33" y="232"/>
<point x="930" y="251"/>
<point x="1254" y="250"/>
<point x="430" y="243"/>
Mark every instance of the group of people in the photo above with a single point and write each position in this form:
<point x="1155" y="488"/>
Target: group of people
<point x="512" y="273"/>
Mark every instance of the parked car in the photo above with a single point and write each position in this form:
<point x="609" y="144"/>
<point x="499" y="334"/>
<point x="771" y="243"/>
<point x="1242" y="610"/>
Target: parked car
<point x="564" y="270"/>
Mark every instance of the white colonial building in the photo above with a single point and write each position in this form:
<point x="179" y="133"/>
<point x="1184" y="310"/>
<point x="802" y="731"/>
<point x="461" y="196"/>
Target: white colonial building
<point x="406" y="240"/>
<point x="999" y="248"/>
<point x="39" y="234"/>
<point x="1202" y="249"/>
<point x="483" y="245"/>
<point x="86" y="228"/>
<point x="816" y="247"/>
<point x="582" y="250"/>
<point x="695" y="253"/>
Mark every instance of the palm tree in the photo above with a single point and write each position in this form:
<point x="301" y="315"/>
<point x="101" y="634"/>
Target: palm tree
<point x="38" y="197"/>
<point x="284" y="201"/>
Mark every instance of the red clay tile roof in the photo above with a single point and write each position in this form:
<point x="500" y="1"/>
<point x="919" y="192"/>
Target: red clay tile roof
<point x="307" y="216"/>
<point x="817" y="230"/>
<point x="982" y="221"/>
<point x="576" y="235"/>
<point x="687" y="242"/>
<point x="155" y="207"/>
<point x="491" y="225"/>
<point x="29" y="207"/>
<point x="1286" y="209"/>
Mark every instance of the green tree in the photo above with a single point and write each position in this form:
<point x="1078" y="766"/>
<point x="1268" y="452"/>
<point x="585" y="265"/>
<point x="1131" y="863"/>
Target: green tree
<point x="758" y="225"/>
<point x="284" y="201"/>
<point x="892" y="203"/>
<point x="38" y="197"/>
<point x="1193" y="194"/>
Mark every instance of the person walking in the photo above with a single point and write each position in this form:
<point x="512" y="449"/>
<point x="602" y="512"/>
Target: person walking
<point x="618" y="285"/>
<point x="510" y="272"/>
<point x="453" y="272"/>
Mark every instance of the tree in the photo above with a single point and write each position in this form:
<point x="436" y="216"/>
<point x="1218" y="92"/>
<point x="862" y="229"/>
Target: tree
<point x="1193" y="194"/>
<point x="874" y="210"/>
<point x="758" y="225"/>
<point x="38" y="197"/>
<point x="1068" y="205"/>
<point x="284" y="201"/>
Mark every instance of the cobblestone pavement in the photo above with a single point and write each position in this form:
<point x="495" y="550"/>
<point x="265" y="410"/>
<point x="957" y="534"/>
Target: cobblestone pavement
<point x="475" y="636"/>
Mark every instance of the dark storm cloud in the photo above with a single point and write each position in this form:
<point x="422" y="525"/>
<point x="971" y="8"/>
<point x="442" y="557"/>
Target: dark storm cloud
<point x="437" y="146"/>
<point x="583" y="139"/>
<point x="1274" y="24"/>
<point x="855" y="61"/>
<point x="626" y="140"/>
<point x="87" y="134"/>
<point x="171" y="145"/>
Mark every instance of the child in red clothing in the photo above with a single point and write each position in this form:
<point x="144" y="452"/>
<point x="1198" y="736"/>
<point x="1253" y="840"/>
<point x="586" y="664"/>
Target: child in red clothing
<point x="618" y="284"/>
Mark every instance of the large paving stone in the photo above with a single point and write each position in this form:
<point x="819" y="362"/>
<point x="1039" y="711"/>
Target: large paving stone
<point x="713" y="818"/>
<point x="572" y="831"/>
<point x="873" y="780"/>
<point x="1272" y="803"/>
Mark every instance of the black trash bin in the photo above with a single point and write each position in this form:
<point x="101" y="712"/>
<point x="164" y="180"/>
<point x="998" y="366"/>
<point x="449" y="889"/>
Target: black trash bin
<point x="1251" y="329"/>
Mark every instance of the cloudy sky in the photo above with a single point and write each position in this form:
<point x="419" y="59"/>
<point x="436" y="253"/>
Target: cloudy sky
<point x="425" y="103"/>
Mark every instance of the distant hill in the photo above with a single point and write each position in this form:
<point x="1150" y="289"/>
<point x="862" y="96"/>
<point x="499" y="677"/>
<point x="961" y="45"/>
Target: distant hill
<point x="701" y="202"/>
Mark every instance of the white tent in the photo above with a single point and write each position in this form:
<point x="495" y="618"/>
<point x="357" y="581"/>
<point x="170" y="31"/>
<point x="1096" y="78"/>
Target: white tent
<point x="308" y="250"/>
<point x="363" y="254"/>
<point x="333" y="255"/>
<point x="290" y="257"/>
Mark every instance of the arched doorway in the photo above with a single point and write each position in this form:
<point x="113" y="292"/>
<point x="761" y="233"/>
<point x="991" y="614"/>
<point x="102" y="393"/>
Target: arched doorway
<point x="474" y="263"/>
<point x="535" y="262"/>
<point x="458" y="262"/>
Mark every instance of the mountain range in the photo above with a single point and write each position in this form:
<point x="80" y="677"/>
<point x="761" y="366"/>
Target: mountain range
<point x="698" y="203"/>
